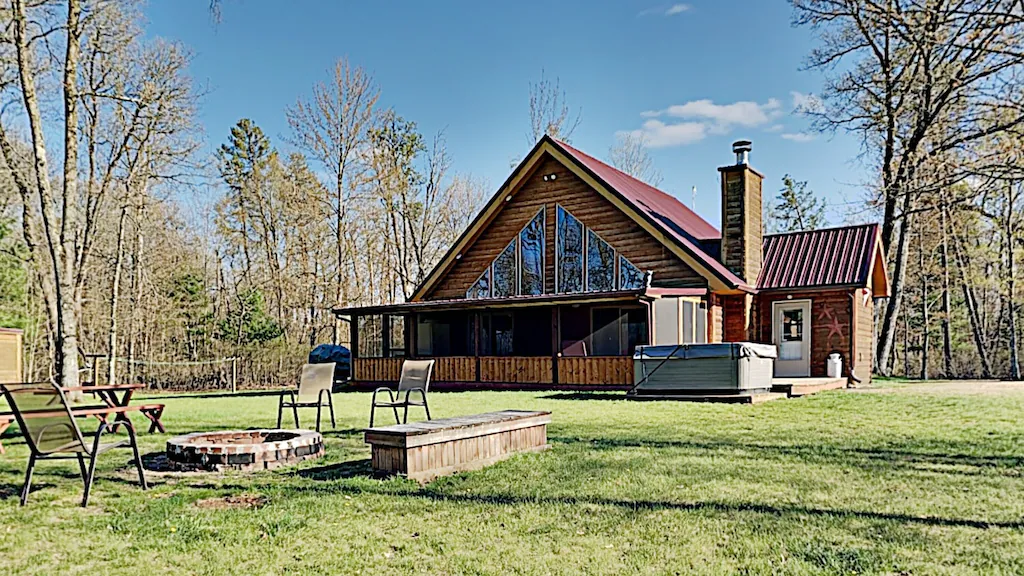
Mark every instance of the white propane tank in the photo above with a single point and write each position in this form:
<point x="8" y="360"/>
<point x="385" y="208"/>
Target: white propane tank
<point x="834" y="365"/>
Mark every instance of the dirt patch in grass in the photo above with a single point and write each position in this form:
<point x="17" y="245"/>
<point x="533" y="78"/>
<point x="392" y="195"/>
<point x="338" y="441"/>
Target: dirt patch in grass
<point x="227" y="502"/>
<point x="955" y="387"/>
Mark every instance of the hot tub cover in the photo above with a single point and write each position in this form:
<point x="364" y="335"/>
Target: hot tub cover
<point x="715" y="350"/>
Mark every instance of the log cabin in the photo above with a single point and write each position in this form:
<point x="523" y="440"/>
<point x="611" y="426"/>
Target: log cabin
<point x="573" y="263"/>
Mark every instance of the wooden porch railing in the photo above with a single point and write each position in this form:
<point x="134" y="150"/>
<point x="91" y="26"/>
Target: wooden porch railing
<point x="517" y="369"/>
<point x="376" y="369"/>
<point x="572" y="370"/>
<point x="595" y="370"/>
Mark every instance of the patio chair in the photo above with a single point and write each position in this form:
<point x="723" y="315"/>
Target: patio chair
<point x="51" y="431"/>
<point x="415" y="378"/>
<point x="316" y="383"/>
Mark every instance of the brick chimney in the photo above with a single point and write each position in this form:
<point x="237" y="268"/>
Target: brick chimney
<point x="741" y="215"/>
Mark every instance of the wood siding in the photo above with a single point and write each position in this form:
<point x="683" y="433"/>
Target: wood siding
<point x="584" y="203"/>
<point x="595" y="370"/>
<point x="864" y="316"/>
<point x="832" y="326"/>
<point x="738" y="312"/>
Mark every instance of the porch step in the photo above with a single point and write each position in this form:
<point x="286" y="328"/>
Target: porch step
<point x="793" y="387"/>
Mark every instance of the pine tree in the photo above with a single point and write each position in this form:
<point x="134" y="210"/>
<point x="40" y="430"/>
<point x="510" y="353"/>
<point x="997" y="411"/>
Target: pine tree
<point x="796" y="208"/>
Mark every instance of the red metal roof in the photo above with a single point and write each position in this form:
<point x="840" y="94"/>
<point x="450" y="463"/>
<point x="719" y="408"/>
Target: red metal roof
<point x="829" y="257"/>
<point x="661" y="209"/>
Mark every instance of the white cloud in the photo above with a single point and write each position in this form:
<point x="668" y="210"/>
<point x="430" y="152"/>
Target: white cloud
<point x="775" y="128"/>
<point x="665" y="11"/>
<point x="798" y="136"/>
<point x="721" y="117"/>
<point x="657" y="134"/>
<point x="806" y="103"/>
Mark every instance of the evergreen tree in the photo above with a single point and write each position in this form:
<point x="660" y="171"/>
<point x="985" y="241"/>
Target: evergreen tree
<point x="795" y="208"/>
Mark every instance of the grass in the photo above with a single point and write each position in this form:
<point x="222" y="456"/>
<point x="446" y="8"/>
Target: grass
<point x="839" y="483"/>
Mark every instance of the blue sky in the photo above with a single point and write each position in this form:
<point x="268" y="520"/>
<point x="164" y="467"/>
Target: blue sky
<point x="692" y="76"/>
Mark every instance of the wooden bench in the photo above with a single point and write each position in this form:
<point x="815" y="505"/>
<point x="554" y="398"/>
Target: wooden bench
<point x="102" y="413"/>
<point x="425" y="450"/>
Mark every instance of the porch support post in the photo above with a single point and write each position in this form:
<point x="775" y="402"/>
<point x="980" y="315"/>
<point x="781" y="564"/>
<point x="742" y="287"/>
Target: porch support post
<point x="475" y="319"/>
<point x="411" y="334"/>
<point x="353" y="327"/>
<point x="554" y="344"/>
<point x="385" y="336"/>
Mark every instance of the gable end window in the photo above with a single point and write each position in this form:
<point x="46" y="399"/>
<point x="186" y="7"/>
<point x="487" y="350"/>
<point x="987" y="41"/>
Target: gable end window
<point x="519" y="268"/>
<point x="585" y="262"/>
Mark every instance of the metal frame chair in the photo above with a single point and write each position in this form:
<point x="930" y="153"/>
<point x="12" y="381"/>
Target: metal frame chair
<point x="415" y="378"/>
<point x="51" y="431"/>
<point x="317" y="381"/>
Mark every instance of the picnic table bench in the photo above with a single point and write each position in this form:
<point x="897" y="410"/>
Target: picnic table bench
<point x="425" y="450"/>
<point x="114" y="405"/>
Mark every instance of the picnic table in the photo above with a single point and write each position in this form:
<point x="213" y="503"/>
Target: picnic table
<point x="116" y="401"/>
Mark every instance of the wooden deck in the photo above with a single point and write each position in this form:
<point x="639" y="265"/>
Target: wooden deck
<point x="425" y="450"/>
<point x="793" y="387"/>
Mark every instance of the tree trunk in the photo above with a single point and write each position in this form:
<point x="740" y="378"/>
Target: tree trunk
<point x="1010" y="275"/>
<point x="887" y="332"/>
<point x="977" y="330"/>
<point x="115" y="285"/>
<point x="947" y="313"/>
<point x="924" y="308"/>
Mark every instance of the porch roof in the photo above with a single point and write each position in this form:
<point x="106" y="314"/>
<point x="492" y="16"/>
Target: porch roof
<point x="645" y="294"/>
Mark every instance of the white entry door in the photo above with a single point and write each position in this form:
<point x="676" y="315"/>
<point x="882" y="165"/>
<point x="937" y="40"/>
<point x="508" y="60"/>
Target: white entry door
<point x="791" y="326"/>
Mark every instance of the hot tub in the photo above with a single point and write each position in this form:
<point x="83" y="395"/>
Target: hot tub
<point x="708" y="369"/>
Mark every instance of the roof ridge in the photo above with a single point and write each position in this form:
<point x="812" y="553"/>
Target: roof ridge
<point x="828" y="229"/>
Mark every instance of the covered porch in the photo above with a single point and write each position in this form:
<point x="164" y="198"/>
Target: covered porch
<point x="566" y="341"/>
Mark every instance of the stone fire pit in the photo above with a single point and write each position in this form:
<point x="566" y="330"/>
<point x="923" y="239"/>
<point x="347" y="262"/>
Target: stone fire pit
<point x="243" y="449"/>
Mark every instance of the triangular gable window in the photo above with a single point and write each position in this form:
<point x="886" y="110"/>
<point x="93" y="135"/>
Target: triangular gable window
<point x="585" y="262"/>
<point x="519" y="268"/>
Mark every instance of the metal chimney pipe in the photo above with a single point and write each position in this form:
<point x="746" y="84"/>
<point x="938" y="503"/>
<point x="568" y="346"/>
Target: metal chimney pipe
<point x="742" y="149"/>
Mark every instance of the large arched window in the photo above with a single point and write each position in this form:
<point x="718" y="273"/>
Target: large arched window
<point x="519" y="268"/>
<point x="585" y="262"/>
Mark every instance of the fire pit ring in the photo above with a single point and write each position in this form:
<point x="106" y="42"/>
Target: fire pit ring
<point x="245" y="450"/>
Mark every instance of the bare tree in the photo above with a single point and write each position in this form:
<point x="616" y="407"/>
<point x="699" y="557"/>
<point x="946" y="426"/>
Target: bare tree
<point x="629" y="154"/>
<point x="918" y="80"/>
<point x="549" y="111"/>
<point x="332" y="128"/>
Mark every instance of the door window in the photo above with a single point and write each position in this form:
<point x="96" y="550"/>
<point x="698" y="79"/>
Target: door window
<point x="791" y="343"/>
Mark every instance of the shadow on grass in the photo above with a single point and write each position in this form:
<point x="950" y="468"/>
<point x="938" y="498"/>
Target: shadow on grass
<point x="875" y="458"/>
<point x="712" y="506"/>
<point x="8" y="491"/>
<point x="621" y="396"/>
<point x="341" y="470"/>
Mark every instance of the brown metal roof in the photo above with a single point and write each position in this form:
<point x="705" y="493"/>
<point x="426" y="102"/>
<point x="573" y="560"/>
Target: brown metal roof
<point x="815" y="258"/>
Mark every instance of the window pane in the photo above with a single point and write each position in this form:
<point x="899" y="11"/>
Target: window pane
<point x="371" y="343"/>
<point x="606" y="332"/>
<point x="688" y="322"/>
<point x="569" y="253"/>
<point x="504" y="272"/>
<point x="501" y="326"/>
<point x="482" y="287"/>
<point x="600" y="264"/>
<point x="531" y="256"/>
<point x="630" y="277"/>
<point x="636" y="329"/>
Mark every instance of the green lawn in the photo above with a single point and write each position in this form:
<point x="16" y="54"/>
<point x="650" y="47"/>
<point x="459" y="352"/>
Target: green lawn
<point x="840" y="483"/>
